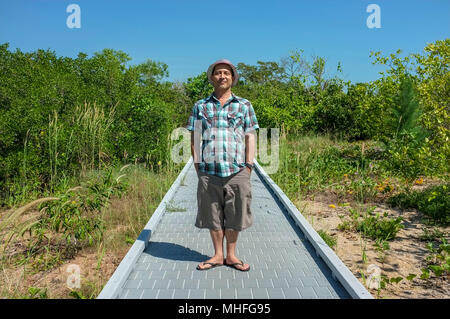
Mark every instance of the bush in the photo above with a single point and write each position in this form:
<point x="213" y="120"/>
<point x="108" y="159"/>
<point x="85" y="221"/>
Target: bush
<point x="404" y="147"/>
<point x="434" y="202"/>
<point x="376" y="227"/>
<point x="438" y="261"/>
<point x="44" y="135"/>
<point x="373" y="225"/>
<point x="70" y="222"/>
<point x="143" y="131"/>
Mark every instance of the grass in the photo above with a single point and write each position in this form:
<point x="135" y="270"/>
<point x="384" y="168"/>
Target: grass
<point x="382" y="247"/>
<point x="312" y="164"/>
<point x="145" y="193"/>
<point x="328" y="239"/>
<point x="431" y="235"/>
<point x="371" y="225"/>
<point x="123" y="217"/>
<point x="320" y="168"/>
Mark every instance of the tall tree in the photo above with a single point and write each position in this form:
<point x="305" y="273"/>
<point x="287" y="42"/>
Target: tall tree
<point x="264" y="72"/>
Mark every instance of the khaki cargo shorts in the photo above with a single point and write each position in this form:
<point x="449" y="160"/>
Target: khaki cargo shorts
<point x="224" y="202"/>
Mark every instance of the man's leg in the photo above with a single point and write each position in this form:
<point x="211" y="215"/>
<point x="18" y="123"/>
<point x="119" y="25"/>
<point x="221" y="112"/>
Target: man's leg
<point x="232" y="236"/>
<point x="217" y="238"/>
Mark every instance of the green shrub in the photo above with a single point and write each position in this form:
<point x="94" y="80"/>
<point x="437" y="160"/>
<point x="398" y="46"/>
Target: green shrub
<point x="434" y="202"/>
<point x="36" y="293"/>
<point x="71" y="221"/>
<point x="438" y="260"/>
<point x="407" y="136"/>
<point x="143" y="133"/>
<point x="431" y="235"/>
<point x="46" y="137"/>
<point x="372" y="225"/>
<point x="376" y="227"/>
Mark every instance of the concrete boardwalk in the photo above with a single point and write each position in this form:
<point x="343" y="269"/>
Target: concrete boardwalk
<point x="284" y="264"/>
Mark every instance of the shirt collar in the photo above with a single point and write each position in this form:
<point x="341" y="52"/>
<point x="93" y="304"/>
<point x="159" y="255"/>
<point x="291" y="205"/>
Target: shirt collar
<point x="233" y="97"/>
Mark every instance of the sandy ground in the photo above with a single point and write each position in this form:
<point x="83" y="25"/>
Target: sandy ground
<point x="58" y="280"/>
<point x="406" y="255"/>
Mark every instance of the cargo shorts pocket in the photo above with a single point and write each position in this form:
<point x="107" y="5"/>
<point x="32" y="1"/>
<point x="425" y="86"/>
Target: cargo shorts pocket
<point x="237" y="210"/>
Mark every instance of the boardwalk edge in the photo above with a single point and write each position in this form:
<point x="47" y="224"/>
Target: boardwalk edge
<point x="339" y="270"/>
<point x="113" y="287"/>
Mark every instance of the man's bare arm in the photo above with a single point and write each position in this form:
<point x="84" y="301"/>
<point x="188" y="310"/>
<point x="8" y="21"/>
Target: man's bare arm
<point x="250" y="141"/>
<point x="195" y="157"/>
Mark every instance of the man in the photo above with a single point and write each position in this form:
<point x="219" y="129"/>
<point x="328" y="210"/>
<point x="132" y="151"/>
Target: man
<point x="224" y="164"/>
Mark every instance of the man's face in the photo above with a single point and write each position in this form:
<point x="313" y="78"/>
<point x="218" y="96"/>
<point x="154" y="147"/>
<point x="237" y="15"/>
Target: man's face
<point x="222" y="76"/>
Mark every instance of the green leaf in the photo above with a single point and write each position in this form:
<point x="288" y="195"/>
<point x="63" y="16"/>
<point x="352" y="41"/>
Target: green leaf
<point x="437" y="270"/>
<point x="396" y="280"/>
<point x="411" y="277"/>
<point x="425" y="274"/>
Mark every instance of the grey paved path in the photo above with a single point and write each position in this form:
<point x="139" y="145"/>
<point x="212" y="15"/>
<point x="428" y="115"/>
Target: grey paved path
<point x="283" y="263"/>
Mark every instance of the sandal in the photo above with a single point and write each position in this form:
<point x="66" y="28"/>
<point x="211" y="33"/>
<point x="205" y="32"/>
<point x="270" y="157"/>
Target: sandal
<point x="213" y="265"/>
<point x="241" y="263"/>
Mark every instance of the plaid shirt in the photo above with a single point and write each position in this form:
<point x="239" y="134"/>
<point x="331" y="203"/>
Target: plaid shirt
<point x="223" y="129"/>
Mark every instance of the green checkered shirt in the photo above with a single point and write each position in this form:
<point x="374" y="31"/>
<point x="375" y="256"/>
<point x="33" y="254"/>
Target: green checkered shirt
<point x="223" y="130"/>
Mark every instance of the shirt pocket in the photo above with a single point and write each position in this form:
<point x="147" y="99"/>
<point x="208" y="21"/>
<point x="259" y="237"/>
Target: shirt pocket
<point x="207" y="118"/>
<point x="235" y="119"/>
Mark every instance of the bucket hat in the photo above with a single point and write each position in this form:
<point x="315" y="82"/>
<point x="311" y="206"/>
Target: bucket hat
<point x="224" y="61"/>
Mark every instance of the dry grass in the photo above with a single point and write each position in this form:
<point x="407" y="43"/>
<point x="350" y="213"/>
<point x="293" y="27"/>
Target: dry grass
<point x="13" y="222"/>
<point x="124" y="219"/>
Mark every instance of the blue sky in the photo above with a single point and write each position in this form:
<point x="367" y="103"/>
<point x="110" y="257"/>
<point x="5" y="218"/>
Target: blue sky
<point x="188" y="35"/>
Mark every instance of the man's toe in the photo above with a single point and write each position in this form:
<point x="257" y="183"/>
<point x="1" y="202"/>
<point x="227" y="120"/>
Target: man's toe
<point x="244" y="267"/>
